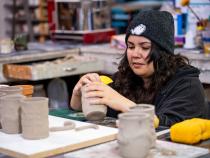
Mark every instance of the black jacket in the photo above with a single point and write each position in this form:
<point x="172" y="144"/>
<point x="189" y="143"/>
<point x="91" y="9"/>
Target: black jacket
<point x="181" y="98"/>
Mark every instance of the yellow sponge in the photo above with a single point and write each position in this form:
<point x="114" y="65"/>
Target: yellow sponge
<point x="156" y="121"/>
<point x="190" y="131"/>
<point x="106" y="79"/>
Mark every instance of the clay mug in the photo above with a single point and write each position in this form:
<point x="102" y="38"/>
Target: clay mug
<point x="34" y="117"/>
<point x="134" y="136"/>
<point x="11" y="90"/>
<point x="149" y="109"/>
<point x="10" y="113"/>
<point x="92" y="112"/>
<point x="1" y="95"/>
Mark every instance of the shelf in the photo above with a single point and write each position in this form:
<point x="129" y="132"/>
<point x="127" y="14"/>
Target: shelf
<point x="24" y="20"/>
<point x="19" y="7"/>
<point x="39" y="34"/>
<point x="35" y="34"/>
<point x="133" y="6"/>
<point x="10" y="6"/>
<point x="29" y="17"/>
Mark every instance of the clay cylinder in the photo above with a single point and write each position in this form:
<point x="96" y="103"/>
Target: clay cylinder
<point x="1" y="95"/>
<point x="11" y="90"/>
<point x="134" y="137"/>
<point x="10" y="114"/>
<point x="92" y="112"/>
<point x="34" y="118"/>
<point x="149" y="109"/>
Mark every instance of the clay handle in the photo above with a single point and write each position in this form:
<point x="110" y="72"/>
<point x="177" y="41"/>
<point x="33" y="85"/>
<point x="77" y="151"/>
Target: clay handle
<point x="121" y="140"/>
<point x="68" y="125"/>
<point x="86" y="127"/>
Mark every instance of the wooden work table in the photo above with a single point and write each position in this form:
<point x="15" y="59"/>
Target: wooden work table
<point x="111" y="149"/>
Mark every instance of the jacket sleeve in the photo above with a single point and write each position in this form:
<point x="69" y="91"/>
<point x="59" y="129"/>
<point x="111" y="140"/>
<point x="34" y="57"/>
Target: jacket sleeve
<point x="180" y="100"/>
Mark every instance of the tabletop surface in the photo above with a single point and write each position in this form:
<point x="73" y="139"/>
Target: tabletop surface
<point x="111" y="148"/>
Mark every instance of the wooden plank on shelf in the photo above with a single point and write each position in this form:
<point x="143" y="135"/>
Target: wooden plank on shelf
<point x="56" y="68"/>
<point x="135" y="6"/>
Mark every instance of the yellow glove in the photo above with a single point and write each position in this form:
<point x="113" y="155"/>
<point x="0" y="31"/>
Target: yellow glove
<point x="190" y="131"/>
<point x="106" y="79"/>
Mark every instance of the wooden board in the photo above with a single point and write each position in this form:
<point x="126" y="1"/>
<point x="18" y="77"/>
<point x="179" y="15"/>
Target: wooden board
<point x="57" y="143"/>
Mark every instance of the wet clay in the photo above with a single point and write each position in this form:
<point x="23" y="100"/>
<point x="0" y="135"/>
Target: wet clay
<point x="134" y="137"/>
<point x="8" y="90"/>
<point x="92" y="112"/>
<point x="87" y="127"/>
<point x="167" y="152"/>
<point x="67" y="125"/>
<point x="95" y="116"/>
<point x="10" y="114"/>
<point x="34" y="118"/>
<point x="148" y="109"/>
<point x="1" y="95"/>
<point x="11" y="90"/>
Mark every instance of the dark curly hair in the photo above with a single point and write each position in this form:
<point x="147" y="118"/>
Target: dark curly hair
<point x="132" y="86"/>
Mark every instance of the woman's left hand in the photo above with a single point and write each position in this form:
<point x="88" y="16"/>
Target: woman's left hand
<point x="104" y="94"/>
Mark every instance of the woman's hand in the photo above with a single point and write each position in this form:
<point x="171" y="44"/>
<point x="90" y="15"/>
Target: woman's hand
<point x="88" y="78"/>
<point x="76" y="95"/>
<point x="104" y="94"/>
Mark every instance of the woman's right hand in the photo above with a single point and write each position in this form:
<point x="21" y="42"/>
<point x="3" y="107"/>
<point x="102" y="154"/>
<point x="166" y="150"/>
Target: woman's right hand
<point x="88" y="78"/>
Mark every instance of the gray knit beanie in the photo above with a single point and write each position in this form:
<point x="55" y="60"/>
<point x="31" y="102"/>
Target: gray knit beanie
<point x="158" y="26"/>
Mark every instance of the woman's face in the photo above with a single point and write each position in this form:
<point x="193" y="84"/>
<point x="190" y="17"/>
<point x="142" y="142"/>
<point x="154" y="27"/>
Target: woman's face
<point x="138" y="50"/>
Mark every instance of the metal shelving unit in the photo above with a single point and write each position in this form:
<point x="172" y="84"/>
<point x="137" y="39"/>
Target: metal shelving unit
<point x="28" y="18"/>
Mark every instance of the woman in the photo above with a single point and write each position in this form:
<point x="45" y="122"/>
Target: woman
<point x="149" y="73"/>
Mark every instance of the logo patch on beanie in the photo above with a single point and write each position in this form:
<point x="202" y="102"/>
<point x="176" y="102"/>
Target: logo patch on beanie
<point x="138" y="30"/>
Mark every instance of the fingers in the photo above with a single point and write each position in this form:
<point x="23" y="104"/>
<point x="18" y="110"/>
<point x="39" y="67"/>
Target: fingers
<point x="93" y="94"/>
<point x="94" y="77"/>
<point x="95" y="86"/>
<point x="94" y="89"/>
<point x="91" y="77"/>
<point x="77" y="88"/>
<point x="86" y="79"/>
<point x="96" y="92"/>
